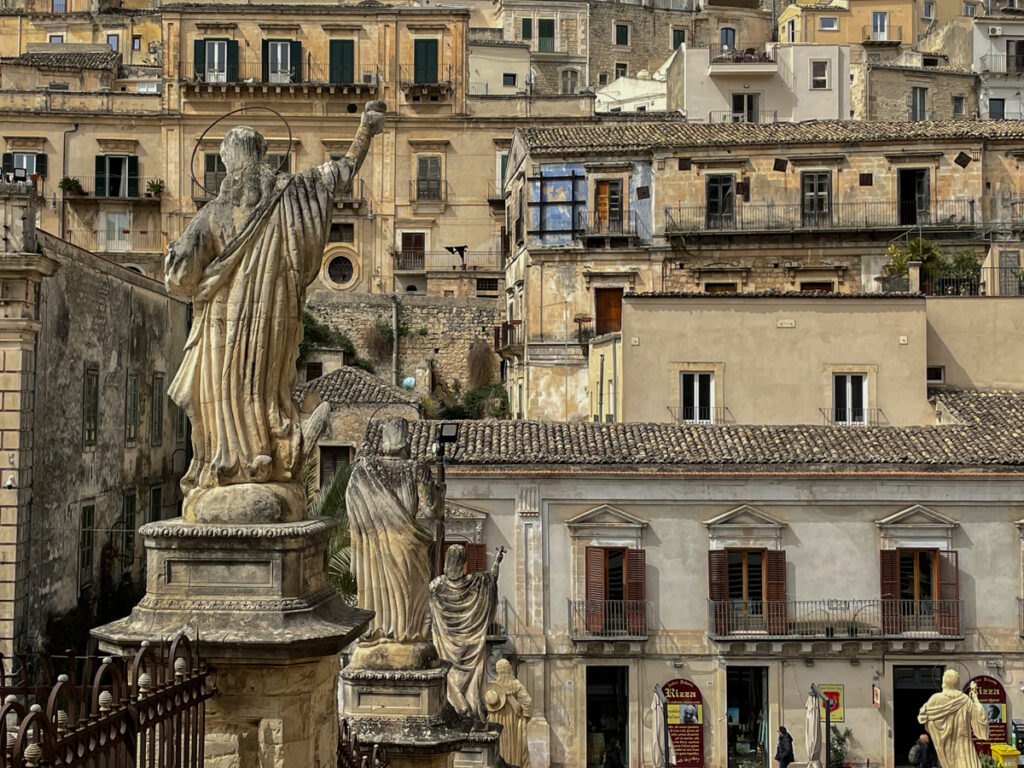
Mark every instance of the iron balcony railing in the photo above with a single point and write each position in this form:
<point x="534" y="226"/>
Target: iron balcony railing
<point x="436" y="261"/>
<point x="123" y="187"/>
<point x="1020" y="616"/>
<point x="545" y="45"/>
<point x="610" y="619"/>
<point x="117" y="241"/>
<point x="498" y="629"/>
<point x="728" y="116"/>
<point x="508" y="337"/>
<point x="608" y="223"/>
<point x="585" y="329"/>
<point x="437" y="79"/>
<point x="792" y="217"/>
<point x="852" y="417"/>
<point x="740" y="54"/>
<point x="828" y="619"/>
<point x="495" y="191"/>
<point x="886" y="34"/>
<point x="428" y="191"/>
<point x="986" y="281"/>
<point x="1001" y="64"/>
<point x="310" y="71"/>
<point x="699" y="414"/>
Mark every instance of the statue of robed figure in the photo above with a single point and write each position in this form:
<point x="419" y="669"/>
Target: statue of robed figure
<point x="245" y="261"/>
<point x="461" y="609"/>
<point x="951" y="717"/>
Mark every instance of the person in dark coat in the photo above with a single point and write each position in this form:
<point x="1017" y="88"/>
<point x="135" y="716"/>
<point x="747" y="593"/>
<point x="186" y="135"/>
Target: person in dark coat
<point x="923" y="745"/>
<point x="613" y="755"/>
<point x="784" y="752"/>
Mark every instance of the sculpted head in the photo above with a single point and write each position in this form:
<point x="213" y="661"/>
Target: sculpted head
<point x="243" y="147"/>
<point x="394" y="441"/>
<point x="951" y="680"/>
<point x="454" y="561"/>
<point x="504" y="670"/>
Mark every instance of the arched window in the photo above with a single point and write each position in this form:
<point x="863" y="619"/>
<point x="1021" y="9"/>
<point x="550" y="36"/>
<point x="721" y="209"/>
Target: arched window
<point x="727" y="37"/>
<point x="570" y="81"/>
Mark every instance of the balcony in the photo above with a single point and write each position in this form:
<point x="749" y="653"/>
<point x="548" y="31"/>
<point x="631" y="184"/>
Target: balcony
<point x="853" y="417"/>
<point x="133" y="188"/>
<point x="434" y="85"/>
<point x="121" y="241"/>
<point x="988" y="281"/>
<point x="312" y="73"/>
<point x="508" y="339"/>
<point x="737" y="60"/>
<point x="791" y="217"/>
<point x="881" y="36"/>
<point x="610" y="619"/>
<point x="497" y="630"/>
<point x="428" y="192"/>
<point x="608" y="229"/>
<point x="699" y="415"/>
<point x="442" y="261"/>
<point x="728" y="116"/>
<point x="495" y="194"/>
<point x="834" y="619"/>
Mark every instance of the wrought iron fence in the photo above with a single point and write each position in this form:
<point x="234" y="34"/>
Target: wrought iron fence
<point x="605" y="223"/>
<point x="986" y="281"/>
<point x="114" y="186"/>
<point x="826" y="619"/>
<point x="148" y="712"/>
<point x="737" y="54"/>
<point x="621" y="619"/>
<point x="852" y="417"/>
<point x="707" y="414"/>
<point x="352" y="754"/>
<point x="435" y="261"/>
<point x="439" y="78"/>
<point x="728" y="116"/>
<point x="116" y="240"/>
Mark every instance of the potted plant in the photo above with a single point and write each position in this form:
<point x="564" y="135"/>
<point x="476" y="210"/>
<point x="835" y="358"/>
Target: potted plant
<point x="154" y="187"/>
<point x="71" y="186"/>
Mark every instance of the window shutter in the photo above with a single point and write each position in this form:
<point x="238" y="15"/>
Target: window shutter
<point x="295" y="53"/>
<point x="889" y="579"/>
<point x="342" y="63"/>
<point x="476" y="558"/>
<point x="101" y="176"/>
<point x="232" y="73"/>
<point x="636" y="592"/>
<point x="133" y="176"/>
<point x="948" y="613"/>
<point x="41" y="165"/>
<point x="265" y="58"/>
<point x="595" y="584"/>
<point x="328" y="466"/>
<point x="718" y="589"/>
<point x="775" y="591"/>
<point x="199" y="59"/>
<point x="8" y="166"/>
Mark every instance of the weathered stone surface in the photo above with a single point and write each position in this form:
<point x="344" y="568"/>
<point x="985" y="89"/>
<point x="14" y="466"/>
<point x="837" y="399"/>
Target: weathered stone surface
<point x="509" y="705"/>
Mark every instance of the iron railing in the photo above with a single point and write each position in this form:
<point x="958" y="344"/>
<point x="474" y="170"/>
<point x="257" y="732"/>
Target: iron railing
<point x="352" y="754"/>
<point x="1001" y="64"/>
<point x="1020" y="616"/>
<point x="498" y="628"/>
<point x="827" y="619"/>
<point x="148" y="712"/>
<point x="508" y="337"/>
<point x="585" y="329"/>
<point x="355" y="196"/>
<point x="738" y="54"/>
<point x="119" y="241"/>
<point x="852" y="417"/>
<point x="495" y="191"/>
<point x="428" y="191"/>
<point x="728" y="116"/>
<point x="122" y="187"/>
<point x="767" y="217"/>
<point x="987" y="281"/>
<point x="887" y="34"/>
<point x="545" y="45"/>
<point x="311" y="72"/>
<point x="607" y="223"/>
<point x="699" y="414"/>
<point x="440" y="79"/>
<point x="612" y="619"/>
<point x="433" y="261"/>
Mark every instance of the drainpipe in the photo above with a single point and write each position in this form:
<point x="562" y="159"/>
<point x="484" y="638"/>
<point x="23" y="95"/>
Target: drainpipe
<point x="600" y="392"/>
<point x="64" y="165"/>
<point x="867" y="90"/>
<point x="394" y="339"/>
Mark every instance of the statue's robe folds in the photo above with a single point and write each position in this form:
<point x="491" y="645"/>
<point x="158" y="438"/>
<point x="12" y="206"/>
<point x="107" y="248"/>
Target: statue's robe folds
<point x="950" y="717"/>
<point x="513" y="717"/>
<point x="461" y="611"/>
<point x="248" y="285"/>
<point x="390" y="546"/>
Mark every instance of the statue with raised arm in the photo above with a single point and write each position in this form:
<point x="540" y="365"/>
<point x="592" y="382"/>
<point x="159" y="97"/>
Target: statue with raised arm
<point x="245" y="261"/>
<point x="950" y="717"/>
<point x="461" y="609"/>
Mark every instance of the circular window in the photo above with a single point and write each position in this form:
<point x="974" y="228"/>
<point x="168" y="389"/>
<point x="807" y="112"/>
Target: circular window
<point x="352" y="109"/>
<point x="340" y="270"/>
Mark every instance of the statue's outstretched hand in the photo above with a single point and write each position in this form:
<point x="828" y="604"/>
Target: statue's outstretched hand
<point x="373" y="117"/>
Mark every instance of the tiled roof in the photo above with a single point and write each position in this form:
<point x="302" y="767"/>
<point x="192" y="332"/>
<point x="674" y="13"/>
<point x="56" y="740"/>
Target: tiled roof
<point x="650" y="134"/>
<point x="717" y="448"/>
<point x="498" y="43"/>
<point x="352" y="386"/>
<point x="106" y="60"/>
<point x="831" y="295"/>
<point x="927" y="70"/>
<point x="1001" y="408"/>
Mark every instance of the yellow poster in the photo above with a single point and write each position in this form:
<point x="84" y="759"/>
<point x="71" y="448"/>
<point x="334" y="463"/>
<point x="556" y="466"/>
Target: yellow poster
<point x="837" y="707"/>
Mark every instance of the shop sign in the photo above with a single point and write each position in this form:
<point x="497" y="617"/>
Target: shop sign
<point x="992" y="696"/>
<point x="685" y="722"/>
<point x="837" y="706"/>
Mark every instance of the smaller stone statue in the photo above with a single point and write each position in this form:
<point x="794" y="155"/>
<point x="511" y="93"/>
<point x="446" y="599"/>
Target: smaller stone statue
<point x="461" y="608"/>
<point x="510" y="705"/>
<point x="950" y="716"/>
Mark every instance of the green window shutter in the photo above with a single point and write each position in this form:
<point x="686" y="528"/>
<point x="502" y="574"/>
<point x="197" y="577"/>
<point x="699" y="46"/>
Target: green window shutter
<point x="296" y="57"/>
<point x="546" y="28"/>
<point x="101" y="176"/>
<point x="425" y="61"/>
<point x="232" y="61"/>
<point x="199" y="59"/>
<point x="527" y="29"/>
<point x="41" y="165"/>
<point x="265" y="58"/>
<point x="342" y="62"/>
<point x="8" y="162"/>
<point x="133" y="176"/>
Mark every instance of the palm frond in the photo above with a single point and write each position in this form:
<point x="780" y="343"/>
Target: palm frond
<point x="329" y="501"/>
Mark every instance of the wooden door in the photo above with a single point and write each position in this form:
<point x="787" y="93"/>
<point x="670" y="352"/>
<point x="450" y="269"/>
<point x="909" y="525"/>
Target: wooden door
<point x="608" y="310"/>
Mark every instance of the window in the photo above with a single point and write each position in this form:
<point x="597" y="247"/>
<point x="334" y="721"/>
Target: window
<point x="114" y="233"/>
<point x="929" y="61"/>
<point x="607" y="310"/>
<point x="476" y="555"/>
<point x="314" y="371"/>
<point x="616" y="591"/>
<point x="970" y="9"/>
<point x="791" y="31"/>
<point x="156" y="501"/>
<point x="136" y="42"/>
<point x="526" y="29"/>
<point x="86" y="546"/>
<point x="996" y="109"/>
<point x="747" y="590"/>
<point x="678" y="38"/>
<point x="920" y="590"/>
<point x="157" y="424"/>
<point x="128" y="534"/>
<point x="719" y="287"/>
<point x="428" y="177"/>
<point x="819" y="75"/>
<point x="721" y="200"/>
<point x="816" y="197"/>
<point x="828" y="23"/>
<point x="425" y="61"/>
<point x="508" y="79"/>
<point x="621" y="34"/>
<point x="180" y="426"/>
<point x="25" y="161"/>
<point x="928" y="9"/>
<point x="340" y="270"/>
<point x="696" y="397"/>
<point x="727" y="38"/>
<point x="90" y="405"/>
<point x="59" y="6"/>
<point x="333" y="458"/>
<point x="131" y="408"/>
<point x="342" y="66"/>
<point x="621" y="70"/>
<point x="744" y="108"/>
<point x="959" y="106"/>
<point x="342" y="232"/>
<point x="56" y="39"/>
<point x="608" y="205"/>
<point x="602" y="79"/>
<point x="117" y="176"/>
<point x="918" y="103"/>
<point x="148" y="86"/>
<point x="570" y="82"/>
<point x="816" y="286"/>
<point x="546" y="35"/>
<point x="849" y="396"/>
<point x="113" y="41"/>
<point x="215" y="61"/>
<point x="486" y="286"/>
<point x="935" y="374"/>
<point x="866" y="179"/>
<point x="879" y="26"/>
<point x="214" y="172"/>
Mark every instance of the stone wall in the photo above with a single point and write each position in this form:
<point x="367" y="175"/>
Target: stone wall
<point x="650" y="37"/>
<point x="439" y="329"/>
<point x="890" y="93"/>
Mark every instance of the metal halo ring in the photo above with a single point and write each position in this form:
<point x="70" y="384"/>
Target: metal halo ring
<point x="192" y="160"/>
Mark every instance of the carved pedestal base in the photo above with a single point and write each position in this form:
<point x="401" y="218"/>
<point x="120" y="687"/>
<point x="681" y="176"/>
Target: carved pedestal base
<point x="269" y="626"/>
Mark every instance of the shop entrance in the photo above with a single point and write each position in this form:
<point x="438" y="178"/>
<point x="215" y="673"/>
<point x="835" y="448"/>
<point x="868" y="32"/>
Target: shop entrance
<point x="912" y="685"/>
<point x="607" y="712"/>
<point x="747" y="712"/>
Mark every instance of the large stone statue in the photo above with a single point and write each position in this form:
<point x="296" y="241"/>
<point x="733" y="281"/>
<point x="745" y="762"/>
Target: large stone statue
<point x="245" y="261"/>
<point x="950" y="716"/>
<point x="509" y="704"/>
<point x="393" y="502"/>
<point x="461" y="608"/>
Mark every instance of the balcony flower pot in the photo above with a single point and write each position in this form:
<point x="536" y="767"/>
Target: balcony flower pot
<point x="71" y="186"/>
<point x="154" y="188"/>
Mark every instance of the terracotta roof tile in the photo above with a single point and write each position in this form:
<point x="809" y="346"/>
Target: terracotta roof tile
<point x="352" y="386"/>
<point x="107" y="60"/>
<point x="1001" y="408"/>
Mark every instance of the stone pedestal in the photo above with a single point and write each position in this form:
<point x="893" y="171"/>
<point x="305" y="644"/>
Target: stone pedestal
<point x="269" y="626"/>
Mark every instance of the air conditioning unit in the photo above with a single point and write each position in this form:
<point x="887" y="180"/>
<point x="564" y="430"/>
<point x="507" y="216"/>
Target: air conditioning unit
<point x="995" y="31"/>
<point x="369" y="78"/>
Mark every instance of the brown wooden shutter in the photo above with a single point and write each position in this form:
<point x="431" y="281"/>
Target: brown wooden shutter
<point x="595" y="583"/>
<point x="775" y="591"/>
<point x="636" y="592"/>
<point x="476" y="558"/>
<point x="948" y="613"/>
<point x="889" y="579"/>
<point x="718" y="589"/>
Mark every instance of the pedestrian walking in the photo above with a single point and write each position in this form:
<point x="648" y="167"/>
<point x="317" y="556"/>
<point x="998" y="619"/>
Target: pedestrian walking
<point x="920" y="756"/>
<point x="784" y="752"/>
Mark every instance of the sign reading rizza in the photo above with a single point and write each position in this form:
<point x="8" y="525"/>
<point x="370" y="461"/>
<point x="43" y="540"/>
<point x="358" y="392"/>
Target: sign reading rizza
<point x="991" y="696"/>
<point x="685" y="723"/>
